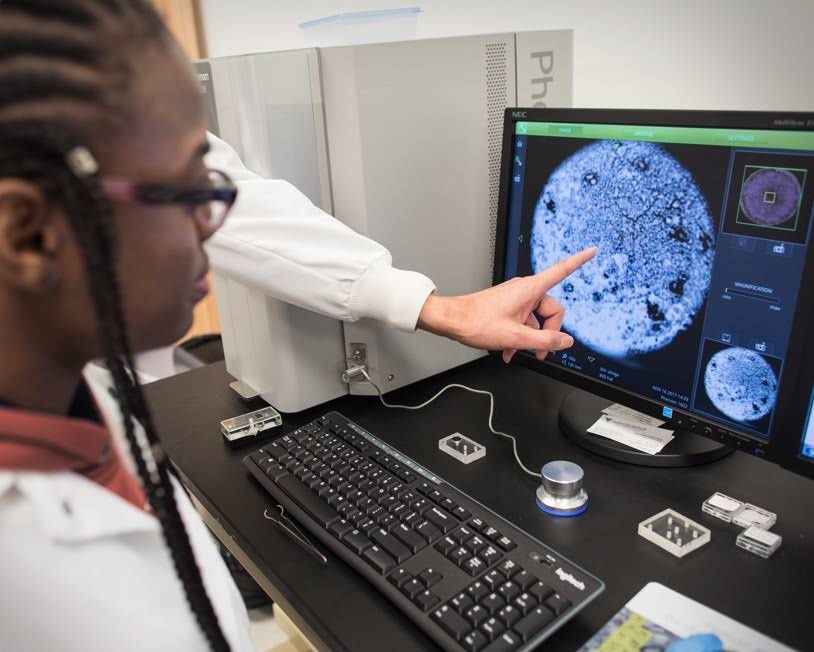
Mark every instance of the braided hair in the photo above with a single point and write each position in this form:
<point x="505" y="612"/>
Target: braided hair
<point x="63" y="67"/>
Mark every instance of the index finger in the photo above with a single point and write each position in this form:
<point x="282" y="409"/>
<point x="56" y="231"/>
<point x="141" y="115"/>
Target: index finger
<point x="564" y="268"/>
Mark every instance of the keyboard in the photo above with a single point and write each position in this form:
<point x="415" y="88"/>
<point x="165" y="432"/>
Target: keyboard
<point x="467" y="577"/>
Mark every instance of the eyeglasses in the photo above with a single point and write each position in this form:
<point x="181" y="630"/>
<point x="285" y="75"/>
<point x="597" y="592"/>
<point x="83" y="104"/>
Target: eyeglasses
<point x="211" y="203"/>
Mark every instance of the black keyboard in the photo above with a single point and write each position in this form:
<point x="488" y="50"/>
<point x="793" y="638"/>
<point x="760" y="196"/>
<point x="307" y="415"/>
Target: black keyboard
<point x="467" y="577"/>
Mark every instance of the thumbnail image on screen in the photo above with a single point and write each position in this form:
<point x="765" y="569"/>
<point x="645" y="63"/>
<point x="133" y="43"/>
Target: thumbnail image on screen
<point x="691" y="296"/>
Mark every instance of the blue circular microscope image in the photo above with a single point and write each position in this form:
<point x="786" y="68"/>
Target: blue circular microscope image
<point x="770" y="196"/>
<point x="655" y="235"/>
<point x="741" y="384"/>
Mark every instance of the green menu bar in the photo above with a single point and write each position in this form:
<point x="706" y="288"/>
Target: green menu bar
<point x="799" y="140"/>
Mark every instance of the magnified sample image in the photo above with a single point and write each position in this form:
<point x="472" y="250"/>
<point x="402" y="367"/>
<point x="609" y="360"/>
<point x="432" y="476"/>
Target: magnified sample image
<point x="741" y="384"/>
<point x="770" y="196"/>
<point x="656" y="239"/>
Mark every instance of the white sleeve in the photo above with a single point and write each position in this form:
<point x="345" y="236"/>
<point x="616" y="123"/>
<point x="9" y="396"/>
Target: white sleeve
<point x="278" y="241"/>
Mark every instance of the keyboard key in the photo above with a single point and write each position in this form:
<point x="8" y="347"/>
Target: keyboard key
<point x="475" y="545"/>
<point x="448" y="504"/>
<point x="460" y="555"/>
<point x="446" y="545"/>
<point x="493" y="580"/>
<point x="379" y="559"/>
<point x="460" y="513"/>
<point x="375" y="511"/>
<point x="441" y="518"/>
<point x="492" y="628"/>
<point x="399" y="577"/>
<point x="305" y="498"/>
<point x="430" y="577"/>
<point x="461" y="534"/>
<point x="358" y="518"/>
<point x="475" y="641"/>
<point x="406" y="476"/>
<point x="509" y="569"/>
<point x="525" y="602"/>
<point x="505" y="642"/>
<point x="477" y="524"/>
<point x="509" y="591"/>
<point x="421" y="505"/>
<point x="491" y="533"/>
<point x="533" y="622"/>
<point x="426" y="600"/>
<point x="476" y="615"/>
<point x="474" y="566"/>
<point x="540" y="591"/>
<point x="492" y="603"/>
<point x="413" y="541"/>
<point x="348" y="510"/>
<point x="509" y="615"/>
<point x="424" y="487"/>
<point x="275" y="471"/>
<point x="428" y="531"/>
<point x="436" y="496"/>
<point x="340" y="528"/>
<point x="412" y="588"/>
<point x="356" y="541"/>
<point x="461" y="602"/>
<point x="478" y="591"/>
<point x="314" y="482"/>
<point x="451" y="622"/>
<point x="557" y="604"/>
<point x="408" y="497"/>
<point x="490" y="555"/>
<point x="524" y="580"/>
<point x="391" y="544"/>
<point x="366" y="504"/>
<point x="367" y="526"/>
<point x="505" y="543"/>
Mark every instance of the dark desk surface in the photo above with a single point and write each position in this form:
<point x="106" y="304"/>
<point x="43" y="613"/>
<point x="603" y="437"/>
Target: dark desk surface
<point x="338" y="610"/>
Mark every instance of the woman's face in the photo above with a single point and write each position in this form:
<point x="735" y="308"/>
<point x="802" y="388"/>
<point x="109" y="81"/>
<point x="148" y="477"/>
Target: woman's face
<point x="161" y="262"/>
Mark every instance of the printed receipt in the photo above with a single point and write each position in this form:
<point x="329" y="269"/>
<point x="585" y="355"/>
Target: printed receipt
<point x="632" y="428"/>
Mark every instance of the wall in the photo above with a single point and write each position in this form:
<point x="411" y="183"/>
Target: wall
<point x="700" y="54"/>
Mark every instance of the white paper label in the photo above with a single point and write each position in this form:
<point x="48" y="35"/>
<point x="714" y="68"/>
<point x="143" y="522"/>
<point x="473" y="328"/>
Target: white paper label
<point x="631" y="415"/>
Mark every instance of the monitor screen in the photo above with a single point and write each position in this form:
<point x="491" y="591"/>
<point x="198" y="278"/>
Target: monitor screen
<point x="702" y="235"/>
<point x="807" y="447"/>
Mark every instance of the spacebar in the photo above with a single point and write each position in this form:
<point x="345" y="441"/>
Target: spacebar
<point x="313" y="505"/>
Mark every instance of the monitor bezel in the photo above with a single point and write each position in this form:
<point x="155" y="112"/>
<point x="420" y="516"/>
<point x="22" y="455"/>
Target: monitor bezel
<point x="775" y="448"/>
<point x="793" y="406"/>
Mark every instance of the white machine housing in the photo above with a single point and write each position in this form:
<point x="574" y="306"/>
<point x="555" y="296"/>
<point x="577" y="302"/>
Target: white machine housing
<point x="401" y="142"/>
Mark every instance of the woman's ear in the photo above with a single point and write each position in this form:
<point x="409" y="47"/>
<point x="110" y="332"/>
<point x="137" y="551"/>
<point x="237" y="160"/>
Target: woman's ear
<point x="32" y="235"/>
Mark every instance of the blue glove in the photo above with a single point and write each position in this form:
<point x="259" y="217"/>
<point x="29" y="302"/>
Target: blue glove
<point x="698" y="643"/>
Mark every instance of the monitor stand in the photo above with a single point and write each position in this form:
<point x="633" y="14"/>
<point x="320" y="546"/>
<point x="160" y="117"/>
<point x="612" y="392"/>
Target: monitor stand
<point x="581" y="409"/>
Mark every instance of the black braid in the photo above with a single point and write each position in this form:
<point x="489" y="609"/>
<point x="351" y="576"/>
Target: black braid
<point x="37" y="151"/>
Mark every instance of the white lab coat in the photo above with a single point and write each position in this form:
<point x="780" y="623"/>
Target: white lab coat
<point x="83" y="570"/>
<point x="278" y="241"/>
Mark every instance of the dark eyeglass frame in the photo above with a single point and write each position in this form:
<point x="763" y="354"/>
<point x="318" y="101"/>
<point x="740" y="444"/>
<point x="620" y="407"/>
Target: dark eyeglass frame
<point x="221" y="189"/>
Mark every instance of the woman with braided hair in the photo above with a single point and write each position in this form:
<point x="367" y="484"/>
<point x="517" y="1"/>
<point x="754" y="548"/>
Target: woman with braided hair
<point x="105" y="204"/>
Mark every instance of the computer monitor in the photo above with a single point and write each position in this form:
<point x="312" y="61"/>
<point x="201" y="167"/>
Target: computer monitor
<point x="698" y="296"/>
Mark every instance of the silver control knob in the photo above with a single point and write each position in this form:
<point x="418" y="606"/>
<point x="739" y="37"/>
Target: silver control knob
<point x="561" y="492"/>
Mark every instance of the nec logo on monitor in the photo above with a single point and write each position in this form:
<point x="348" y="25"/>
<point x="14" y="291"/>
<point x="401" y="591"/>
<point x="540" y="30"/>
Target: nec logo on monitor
<point x="519" y="114"/>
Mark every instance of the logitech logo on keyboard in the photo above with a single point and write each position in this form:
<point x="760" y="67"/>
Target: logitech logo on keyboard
<point x="567" y="577"/>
